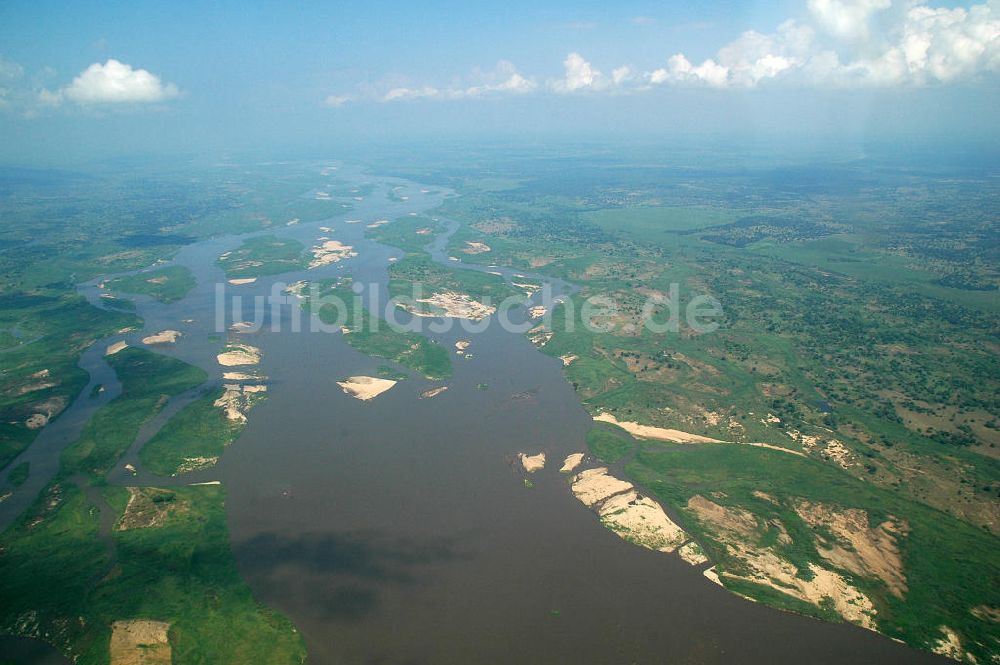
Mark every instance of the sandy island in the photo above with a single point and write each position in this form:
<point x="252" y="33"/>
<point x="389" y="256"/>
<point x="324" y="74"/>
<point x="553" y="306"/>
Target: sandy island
<point x="329" y="252"/>
<point x="571" y="462"/>
<point x="451" y="304"/>
<point x="240" y="281"/>
<point x="115" y="348"/>
<point x="532" y="463"/>
<point x="239" y="354"/>
<point x="365" y="387"/>
<point x="433" y="392"/>
<point x="163" y="337"/>
<point x="476" y="247"/>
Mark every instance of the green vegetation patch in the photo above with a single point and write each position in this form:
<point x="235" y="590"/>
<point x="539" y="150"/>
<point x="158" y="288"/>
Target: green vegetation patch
<point x="148" y="381"/>
<point x="41" y="374"/>
<point x="610" y="444"/>
<point x="195" y="435"/>
<point x="411" y="234"/>
<point x="167" y="285"/>
<point x="373" y="336"/>
<point x="420" y="272"/>
<point x="655" y="223"/>
<point x="264" y="255"/>
<point x="168" y="559"/>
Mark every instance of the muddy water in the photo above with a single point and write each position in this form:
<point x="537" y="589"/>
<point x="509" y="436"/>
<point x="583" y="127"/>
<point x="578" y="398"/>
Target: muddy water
<point x="400" y="531"/>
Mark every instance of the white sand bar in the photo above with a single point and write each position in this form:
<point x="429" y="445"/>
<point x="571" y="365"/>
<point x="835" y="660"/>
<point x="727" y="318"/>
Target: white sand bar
<point x="365" y="387"/>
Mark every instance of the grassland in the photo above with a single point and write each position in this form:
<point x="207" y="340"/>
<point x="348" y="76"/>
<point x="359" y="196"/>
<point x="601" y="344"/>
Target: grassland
<point x="167" y="285"/>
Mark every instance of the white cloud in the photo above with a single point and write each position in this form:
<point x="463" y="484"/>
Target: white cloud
<point x="113" y="82"/>
<point x="919" y="46"/>
<point x="402" y="93"/>
<point x="336" y="101"/>
<point x="621" y="75"/>
<point x="503" y="79"/>
<point x="846" y="19"/>
<point x="580" y="75"/>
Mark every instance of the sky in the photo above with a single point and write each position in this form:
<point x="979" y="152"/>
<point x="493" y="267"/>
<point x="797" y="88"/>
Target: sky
<point x="84" y="80"/>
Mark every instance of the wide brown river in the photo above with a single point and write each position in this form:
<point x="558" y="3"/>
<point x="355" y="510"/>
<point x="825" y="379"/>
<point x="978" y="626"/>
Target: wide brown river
<point x="398" y="531"/>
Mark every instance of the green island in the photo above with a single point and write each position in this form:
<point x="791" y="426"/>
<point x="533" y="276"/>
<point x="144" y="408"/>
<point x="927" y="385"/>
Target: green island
<point x="369" y="334"/>
<point x="167" y="285"/>
<point x="263" y="255"/>
<point x="194" y="438"/>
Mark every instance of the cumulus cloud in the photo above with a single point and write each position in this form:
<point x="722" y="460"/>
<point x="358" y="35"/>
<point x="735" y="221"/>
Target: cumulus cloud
<point x="113" y="82"/>
<point x="579" y="75"/>
<point x="920" y="45"/>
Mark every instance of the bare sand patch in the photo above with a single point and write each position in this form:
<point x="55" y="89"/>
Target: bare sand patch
<point x="247" y="326"/>
<point x="640" y="520"/>
<point x="451" y="304"/>
<point x="241" y="281"/>
<point x="655" y="433"/>
<point x="692" y="553"/>
<point x="140" y="642"/>
<point x="329" y="252"/>
<point x="115" y="348"/>
<point x="190" y="464"/>
<point x="595" y="485"/>
<point x="378" y="223"/>
<point x="36" y="421"/>
<point x="433" y="392"/>
<point x="771" y="446"/>
<point x="476" y="247"/>
<point x="857" y="547"/>
<point x="162" y="337"/>
<point x="538" y="311"/>
<point x="240" y="376"/>
<point x="237" y="399"/>
<point x="736" y="529"/>
<point x="239" y="354"/>
<point x="949" y="645"/>
<point x="571" y="462"/>
<point x="463" y="344"/>
<point x="532" y="463"/>
<point x="712" y="576"/>
<point x="568" y="358"/>
<point x="365" y="388"/>
<point x="149" y="507"/>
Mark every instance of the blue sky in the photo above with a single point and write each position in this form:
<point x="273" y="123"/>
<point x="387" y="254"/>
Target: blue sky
<point x="81" y="79"/>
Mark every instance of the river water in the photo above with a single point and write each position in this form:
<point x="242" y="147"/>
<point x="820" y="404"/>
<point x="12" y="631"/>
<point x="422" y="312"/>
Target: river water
<point x="399" y="530"/>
